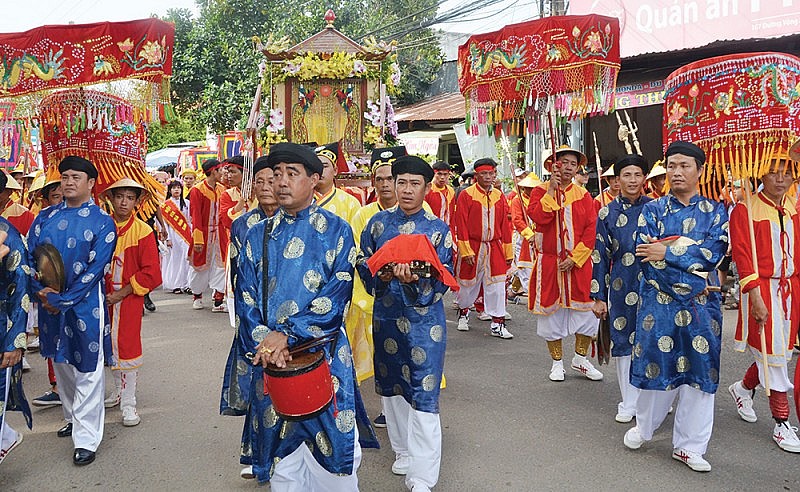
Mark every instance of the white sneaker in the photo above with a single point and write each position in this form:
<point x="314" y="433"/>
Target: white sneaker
<point x="222" y="308"/>
<point x="129" y="417"/>
<point x="483" y="316"/>
<point x="785" y="437"/>
<point x="623" y="418"/>
<point x="633" y="438"/>
<point x="112" y="400"/>
<point x="744" y="401"/>
<point x="25" y="365"/>
<point x="400" y="465"/>
<point x="499" y="330"/>
<point x="17" y="441"/>
<point x="420" y="488"/>
<point x="463" y="322"/>
<point x="247" y="473"/>
<point x="197" y="304"/>
<point x="557" y="371"/>
<point x="33" y="344"/>
<point x="581" y="364"/>
<point x="691" y="459"/>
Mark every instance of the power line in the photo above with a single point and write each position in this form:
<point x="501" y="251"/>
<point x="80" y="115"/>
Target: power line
<point x="451" y="15"/>
<point x="460" y="10"/>
<point x="69" y="9"/>
<point x="376" y="31"/>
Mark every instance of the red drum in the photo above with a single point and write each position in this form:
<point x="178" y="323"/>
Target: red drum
<point x="301" y="390"/>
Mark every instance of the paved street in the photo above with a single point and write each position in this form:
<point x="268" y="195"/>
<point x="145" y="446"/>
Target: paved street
<point x="505" y="425"/>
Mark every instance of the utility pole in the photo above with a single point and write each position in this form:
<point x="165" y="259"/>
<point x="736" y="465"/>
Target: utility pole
<point x="549" y="8"/>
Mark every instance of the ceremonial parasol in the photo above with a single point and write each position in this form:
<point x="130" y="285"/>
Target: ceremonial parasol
<point x="743" y="110"/>
<point x="106" y="129"/>
<point x="102" y="128"/>
<point x="569" y="63"/>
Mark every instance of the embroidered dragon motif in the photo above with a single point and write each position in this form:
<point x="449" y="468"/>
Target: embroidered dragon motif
<point x="482" y="62"/>
<point x="15" y="70"/>
<point x="782" y="85"/>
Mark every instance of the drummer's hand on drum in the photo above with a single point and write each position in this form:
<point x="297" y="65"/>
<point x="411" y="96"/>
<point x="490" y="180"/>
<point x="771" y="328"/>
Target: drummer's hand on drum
<point x="274" y="349"/>
<point x="402" y="271"/>
<point x="600" y="309"/>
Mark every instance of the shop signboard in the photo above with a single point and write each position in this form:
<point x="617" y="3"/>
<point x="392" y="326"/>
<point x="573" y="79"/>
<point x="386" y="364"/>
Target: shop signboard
<point x="655" y="26"/>
<point x="639" y="94"/>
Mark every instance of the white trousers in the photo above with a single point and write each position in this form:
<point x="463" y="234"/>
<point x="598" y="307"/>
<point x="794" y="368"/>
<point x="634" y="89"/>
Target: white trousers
<point x="417" y="435"/>
<point x="7" y="434"/>
<point x="523" y="273"/>
<point x="494" y="297"/>
<point x="213" y="275"/>
<point x="33" y="318"/>
<point x="629" y="392"/>
<point x="82" y="396"/>
<point x="778" y="375"/>
<point x="694" y="416"/>
<point x="566" y="322"/>
<point x="300" y="472"/>
<point x="127" y="392"/>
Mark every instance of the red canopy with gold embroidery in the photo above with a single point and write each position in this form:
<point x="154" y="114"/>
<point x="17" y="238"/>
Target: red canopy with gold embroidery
<point x="64" y="56"/>
<point x="574" y="58"/>
<point x="743" y="110"/>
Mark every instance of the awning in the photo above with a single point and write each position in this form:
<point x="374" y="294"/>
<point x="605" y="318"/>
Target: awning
<point x="450" y="106"/>
<point x="424" y="142"/>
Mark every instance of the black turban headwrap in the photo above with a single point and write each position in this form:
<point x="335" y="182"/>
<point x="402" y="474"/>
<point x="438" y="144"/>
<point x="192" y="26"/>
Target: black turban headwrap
<point x="209" y="165"/>
<point x="292" y="153"/>
<point x="75" y="163"/>
<point x="260" y="164"/>
<point x="411" y="164"/>
<point x="688" y="149"/>
<point x="631" y="160"/>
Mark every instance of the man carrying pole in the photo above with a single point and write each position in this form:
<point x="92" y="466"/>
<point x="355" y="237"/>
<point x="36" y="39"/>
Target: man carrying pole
<point x="771" y="282"/>
<point x="564" y="216"/>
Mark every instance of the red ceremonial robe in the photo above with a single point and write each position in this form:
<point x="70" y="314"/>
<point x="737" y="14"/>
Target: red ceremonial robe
<point x="135" y="262"/>
<point x="603" y="199"/>
<point x="442" y="202"/>
<point x="19" y="216"/>
<point x="575" y="217"/>
<point x="227" y="201"/>
<point x="204" y="206"/>
<point x="482" y="228"/>
<point x="520" y="222"/>
<point x="778" y="276"/>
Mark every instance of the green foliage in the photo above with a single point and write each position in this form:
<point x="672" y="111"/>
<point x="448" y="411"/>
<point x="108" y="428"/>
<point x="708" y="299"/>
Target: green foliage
<point x="180" y="130"/>
<point x="215" y="66"/>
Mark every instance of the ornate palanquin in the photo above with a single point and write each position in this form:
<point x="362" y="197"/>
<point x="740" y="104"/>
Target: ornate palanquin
<point x="320" y="89"/>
